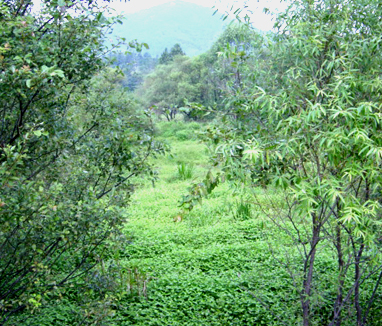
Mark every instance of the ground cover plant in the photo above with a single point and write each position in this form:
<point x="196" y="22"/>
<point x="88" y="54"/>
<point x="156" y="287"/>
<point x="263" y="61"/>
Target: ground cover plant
<point x="225" y="262"/>
<point x="211" y="266"/>
<point x="199" y="267"/>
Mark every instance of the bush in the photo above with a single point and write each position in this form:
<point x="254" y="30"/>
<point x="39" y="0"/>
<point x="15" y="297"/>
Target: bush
<point x="70" y="143"/>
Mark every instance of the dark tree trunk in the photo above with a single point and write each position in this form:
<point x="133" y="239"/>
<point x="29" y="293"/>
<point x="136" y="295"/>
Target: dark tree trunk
<point x="308" y="271"/>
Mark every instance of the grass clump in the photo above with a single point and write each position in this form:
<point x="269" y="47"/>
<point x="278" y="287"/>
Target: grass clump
<point x="185" y="171"/>
<point x="242" y="209"/>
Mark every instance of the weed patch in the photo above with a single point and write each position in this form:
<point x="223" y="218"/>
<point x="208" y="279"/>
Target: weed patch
<point x="212" y="266"/>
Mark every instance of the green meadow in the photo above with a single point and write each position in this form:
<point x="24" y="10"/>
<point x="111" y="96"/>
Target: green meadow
<point x="223" y="263"/>
<point x="212" y="266"/>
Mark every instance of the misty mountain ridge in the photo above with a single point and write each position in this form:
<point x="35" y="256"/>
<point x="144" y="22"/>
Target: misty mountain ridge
<point x="194" y="27"/>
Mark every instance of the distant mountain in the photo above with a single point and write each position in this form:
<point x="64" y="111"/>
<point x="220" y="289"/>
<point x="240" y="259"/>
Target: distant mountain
<point x="192" y="26"/>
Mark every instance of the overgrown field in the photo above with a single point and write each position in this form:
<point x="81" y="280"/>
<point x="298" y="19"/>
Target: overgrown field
<point x="218" y="265"/>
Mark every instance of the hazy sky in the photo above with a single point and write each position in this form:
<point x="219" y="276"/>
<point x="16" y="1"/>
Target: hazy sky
<point x="255" y="8"/>
<point x="259" y="19"/>
<point x="137" y="5"/>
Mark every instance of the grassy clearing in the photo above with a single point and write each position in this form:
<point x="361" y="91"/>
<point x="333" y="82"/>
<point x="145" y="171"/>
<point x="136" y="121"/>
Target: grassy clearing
<point x="221" y="264"/>
<point x="199" y="268"/>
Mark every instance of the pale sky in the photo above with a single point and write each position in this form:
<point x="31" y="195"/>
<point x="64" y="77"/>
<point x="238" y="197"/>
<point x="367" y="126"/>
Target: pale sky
<point x="259" y="19"/>
<point x="254" y="9"/>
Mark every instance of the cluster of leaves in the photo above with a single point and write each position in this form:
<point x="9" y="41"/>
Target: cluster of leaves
<point x="70" y="145"/>
<point x="200" y="190"/>
<point x="185" y="171"/>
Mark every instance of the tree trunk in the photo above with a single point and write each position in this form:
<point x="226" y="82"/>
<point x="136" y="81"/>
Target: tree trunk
<point x="308" y="271"/>
<point x="339" y="299"/>
<point x="357" y="277"/>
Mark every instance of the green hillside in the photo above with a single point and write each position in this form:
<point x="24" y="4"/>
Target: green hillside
<point x="193" y="27"/>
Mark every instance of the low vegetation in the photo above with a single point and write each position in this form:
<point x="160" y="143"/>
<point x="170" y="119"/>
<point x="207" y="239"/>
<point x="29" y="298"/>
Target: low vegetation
<point x="204" y="267"/>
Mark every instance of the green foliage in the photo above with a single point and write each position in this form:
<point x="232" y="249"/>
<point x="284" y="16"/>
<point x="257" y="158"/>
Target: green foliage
<point x="201" y="268"/>
<point x="169" y="87"/>
<point x="228" y="67"/>
<point x="178" y="130"/>
<point x="167" y="57"/>
<point x="242" y="209"/>
<point x="71" y="144"/>
<point x="297" y="112"/>
<point x="209" y="267"/>
<point x="176" y="50"/>
<point x="200" y="190"/>
<point x="179" y="84"/>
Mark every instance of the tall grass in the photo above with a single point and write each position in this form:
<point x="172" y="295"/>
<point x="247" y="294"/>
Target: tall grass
<point x="185" y="171"/>
<point x="242" y="209"/>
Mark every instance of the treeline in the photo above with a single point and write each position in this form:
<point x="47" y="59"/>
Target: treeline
<point x="174" y="82"/>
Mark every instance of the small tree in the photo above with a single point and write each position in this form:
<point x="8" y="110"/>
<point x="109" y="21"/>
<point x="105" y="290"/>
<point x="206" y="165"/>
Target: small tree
<point x="164" y="58"/>
<point x="312" y="129"/>
<point x="167" y="57"/>
<point x="176" y="50"/>
<point x="170" y="85"/>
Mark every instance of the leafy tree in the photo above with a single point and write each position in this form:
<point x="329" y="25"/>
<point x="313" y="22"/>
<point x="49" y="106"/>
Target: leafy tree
<point x="209" y="79"/>
<point x="66" y="152"/>
<point x="170" y="85"/>
<point x="165" y="57"/>
<point x="311" y="128"/>
<point x="228" y="67"/>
